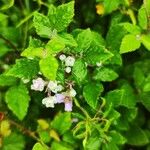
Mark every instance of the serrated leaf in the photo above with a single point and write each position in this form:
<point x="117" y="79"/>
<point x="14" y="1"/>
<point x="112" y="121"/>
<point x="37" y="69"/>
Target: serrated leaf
<point x="49" y="66"/>
<point x="79" y="70"/>
<point x="146" y="41"/>
<point x="84" y="40"/>
<point x="91" y="93"/>
<point x="42" y="25"/>
<point x="127" y="45"/>
<point x="136" y="136"/>
<point x="97" y="53"/>
<point x="64" y="15"/>
<point x="105" y="74"/>
<point x="142" y="18"/>
<point x="122" y="97"/>
<point x="62" y="122"/>
<point x="13" y="142"/>
<point x="39" y="146"/>
<point x="24" y="68"/>
<point x="17" y="99"/>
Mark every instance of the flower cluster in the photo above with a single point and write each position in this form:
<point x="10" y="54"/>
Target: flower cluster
<point x="69" y="62"/>
<point x="56" y="95"/>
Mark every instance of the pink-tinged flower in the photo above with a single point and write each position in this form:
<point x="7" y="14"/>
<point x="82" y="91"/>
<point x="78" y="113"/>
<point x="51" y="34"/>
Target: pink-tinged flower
<point x="59" y="98"/>
<point x="38" y="84"/>
<point x="68" y="106"/>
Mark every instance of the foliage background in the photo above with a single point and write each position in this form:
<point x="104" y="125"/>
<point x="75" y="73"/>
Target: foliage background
<point x="110" y="41"/>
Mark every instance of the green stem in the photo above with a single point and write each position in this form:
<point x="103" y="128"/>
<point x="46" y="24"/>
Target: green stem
<point x="82" y="109"/>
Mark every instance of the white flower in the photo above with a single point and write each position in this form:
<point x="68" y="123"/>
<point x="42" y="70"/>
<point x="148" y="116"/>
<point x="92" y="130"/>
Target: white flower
<point x="69" y="61"/>
<point x="138" y="37"/>
<point x="38" y="84"/>
<point x="49" y="101"/>
<point x="68" y="69"/>
<point x="52" y="85"/>
<point x="62" y="57"/>
<point x="72" y="92"/>
<point x="99" y="64"/>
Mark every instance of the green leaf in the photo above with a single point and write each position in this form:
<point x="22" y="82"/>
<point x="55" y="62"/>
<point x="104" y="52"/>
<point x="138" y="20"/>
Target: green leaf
<point x="127" y="45"/>
<point x="146" y="84"/>
<point x="142" y="18"/>
<point x="79" y="70"/>
<point x="105" y="74"/>
<point x="146" y="41"/>
<point x="54" y="46"/>
<point x="67" y="39"/>
<point x="35" y="49"/>
<point x="97" y="53"/>
<point x="117" y="138"/>
<point x="110" y="145"/>
<point x="122" y="97"/>
<point x="7" y="81"/>
<point x="17" y="99"/>
<point x="7" y="4"/>
<point x="13" y="142"/>
<point x="147" y="6"/>
<point x="136" y="136"/>
<point x="48" y="67"/>
<point x="42" y="25"/>
<point x="144" y="99"/>
<point x="84" y="40"/>
<point x="93" y="142"/>
<point x="62" y="122"/>
<point x="64" y="16"/>
<point x="91" y="93"/>
<point x="110" y="5"/>
<point x="133" y="29"/>
<point x="60" y="146"/>
<point x="138" y="76"/>
<point x="39" y="146"/>
<point x="24" y="68"/>
<point x="114" y="37"/>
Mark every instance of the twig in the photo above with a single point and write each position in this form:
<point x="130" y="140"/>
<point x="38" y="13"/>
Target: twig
<point x="8" y="42"/>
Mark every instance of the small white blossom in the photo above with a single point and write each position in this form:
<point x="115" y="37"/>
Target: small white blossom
<point x="49" y="101"/>
<point x="62" y="57"/>
<point x="99" y="64"/>
<point x="72" y="92"/>
<point x="138" y="37"/>
<point x="68" y="69"/>
<point x="69" y="61"/>
<point x="52" y="85"/>
<point x="38" y="84"/>
<point x="25" y="80"/>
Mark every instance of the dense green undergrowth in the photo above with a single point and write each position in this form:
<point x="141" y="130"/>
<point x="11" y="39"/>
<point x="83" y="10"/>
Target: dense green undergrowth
<point x="74" y="75"/>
